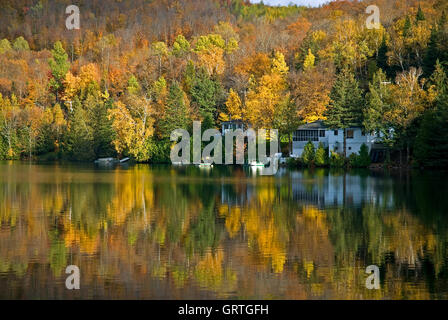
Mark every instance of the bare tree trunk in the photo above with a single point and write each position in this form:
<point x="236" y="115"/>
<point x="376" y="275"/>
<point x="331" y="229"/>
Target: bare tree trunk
<point x="290" y="143"/>
<point x="345" y="143"/>
<point x="407" y="154"/>
<point x="30" y="142"/>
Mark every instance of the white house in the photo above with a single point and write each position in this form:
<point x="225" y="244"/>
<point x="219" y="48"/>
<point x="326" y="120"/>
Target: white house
<point x="317" y="132"/>
<point x="227" y="126"/>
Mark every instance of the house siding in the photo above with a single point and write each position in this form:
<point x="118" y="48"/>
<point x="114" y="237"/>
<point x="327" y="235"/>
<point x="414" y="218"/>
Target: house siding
<point x="336" y="142"/>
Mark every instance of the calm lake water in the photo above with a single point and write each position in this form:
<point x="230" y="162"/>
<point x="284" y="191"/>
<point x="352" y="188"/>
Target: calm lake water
<point x="161" y="232"/>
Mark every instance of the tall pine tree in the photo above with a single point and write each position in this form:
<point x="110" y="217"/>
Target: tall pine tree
<point x="59" y="67"/>
<point x="206" y="93"/>
<point x="420" y="15"/>
<point x="176" y="115"/>
<point x="431" y="148"/>
<point x="346" y="104"/>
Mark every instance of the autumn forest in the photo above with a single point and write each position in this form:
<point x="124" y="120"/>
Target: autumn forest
<point x="146" y="229"/>
<point x="136" y="70"/>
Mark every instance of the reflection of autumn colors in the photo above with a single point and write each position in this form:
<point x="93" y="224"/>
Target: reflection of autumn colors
<point x="158" y="232"/>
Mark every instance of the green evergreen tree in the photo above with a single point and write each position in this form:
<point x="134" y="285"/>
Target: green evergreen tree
<point x="321" y="155"/>
<point x="103" y="133"/>
<point x="79" y="145"/>
<point x="336" y="160"/>
<point x="309" y="154"/>
<point x="176" y="112"/>
<point x="437" y="48"/>
<point x="431" y="146"/>
<point x="443" y="19"/>
<point x="189" y="76"/>
<point x="133" y="85"/>
<point x="381" y="59"/>
<point x="440" y="80"/>
<point x="3" y="147"/>
<point x="431" y="143"/>
<point x="206" y="93"/>
<point x="346" y="104"/>
<point x="407" y="26"/>
<point x="59" y="66"/>
<point x="420" y="15"/>
<point x="364" y="157"/>
<point x="432" y="52"/>
<point x="378" y="103"/>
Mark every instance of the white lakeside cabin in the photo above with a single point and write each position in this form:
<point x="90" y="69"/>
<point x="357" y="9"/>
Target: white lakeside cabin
<point x="333" y="139"/>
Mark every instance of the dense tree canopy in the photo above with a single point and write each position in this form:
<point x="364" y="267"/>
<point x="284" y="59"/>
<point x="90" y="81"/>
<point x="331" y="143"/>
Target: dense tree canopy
<point x="135" y="69"/>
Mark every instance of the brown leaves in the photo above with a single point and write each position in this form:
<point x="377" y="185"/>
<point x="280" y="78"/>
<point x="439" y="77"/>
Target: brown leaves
<point x="310" y="92"/>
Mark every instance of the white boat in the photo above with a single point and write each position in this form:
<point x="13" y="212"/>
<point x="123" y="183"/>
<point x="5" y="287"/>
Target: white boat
<point x="256" y="164"/>
<point x="111" y="161"/>
<point x="205" y="165"/>
<point x="106" y="161"/>
<point x="183" y="163"/>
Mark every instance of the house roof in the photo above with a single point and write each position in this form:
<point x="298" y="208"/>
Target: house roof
<point x="232" y="121"/>
<point x="313" y="125"/>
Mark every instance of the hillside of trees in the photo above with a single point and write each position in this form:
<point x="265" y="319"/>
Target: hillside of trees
<point x="136" y="70"/>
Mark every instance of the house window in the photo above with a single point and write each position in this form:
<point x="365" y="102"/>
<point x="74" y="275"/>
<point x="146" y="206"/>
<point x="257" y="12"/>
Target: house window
<point x="306" y="135"/>
<point x="350" y="134"/>
<point x="349" y="148"/>
<point x="322" y="133"/>
<point x="336" y="132"/>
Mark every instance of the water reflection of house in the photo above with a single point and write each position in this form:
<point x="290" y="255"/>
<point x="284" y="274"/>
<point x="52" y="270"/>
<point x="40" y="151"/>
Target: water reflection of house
<point x="339" y="190"/>
<point x="322" y="191"/>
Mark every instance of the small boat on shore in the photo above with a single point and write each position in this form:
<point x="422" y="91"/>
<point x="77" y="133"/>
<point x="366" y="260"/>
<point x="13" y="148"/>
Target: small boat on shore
<point x="256" y="164"/>
<point x="183" y="163"/>
<point x="106" y="161"/>
<point x="111" y="161"/>
<point x="205" y="165"/>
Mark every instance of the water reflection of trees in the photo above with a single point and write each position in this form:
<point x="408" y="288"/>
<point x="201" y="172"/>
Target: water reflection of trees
<point x="163" y="232"/>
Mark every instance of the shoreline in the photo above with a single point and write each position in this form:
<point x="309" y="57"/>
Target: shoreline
<point x="376" y="167"/>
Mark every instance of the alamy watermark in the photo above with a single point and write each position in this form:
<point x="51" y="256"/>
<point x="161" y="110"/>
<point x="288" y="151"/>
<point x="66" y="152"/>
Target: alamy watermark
<point x="73" y="20"/>
<point x="373" y="21"/>
<point x="212" y="153"/>
<point x="73" y="280"/>
<point x="373" y="280"/>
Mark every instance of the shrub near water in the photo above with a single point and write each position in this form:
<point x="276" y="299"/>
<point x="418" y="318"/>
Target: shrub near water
<point x="309" y="154"/>
<point x="321" y="156"/>
<point x="361" y="160"/>
<point x="336" y="160"/>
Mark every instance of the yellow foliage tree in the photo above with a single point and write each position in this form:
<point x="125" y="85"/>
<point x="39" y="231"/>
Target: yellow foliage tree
<point x="133" y="126"/>
<point x="309" y="60"/>
<point x="210" y="51"/>
<point x="265" y="95"/>
<point x="234" y="106"/>
<point x="212" y="59"/>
